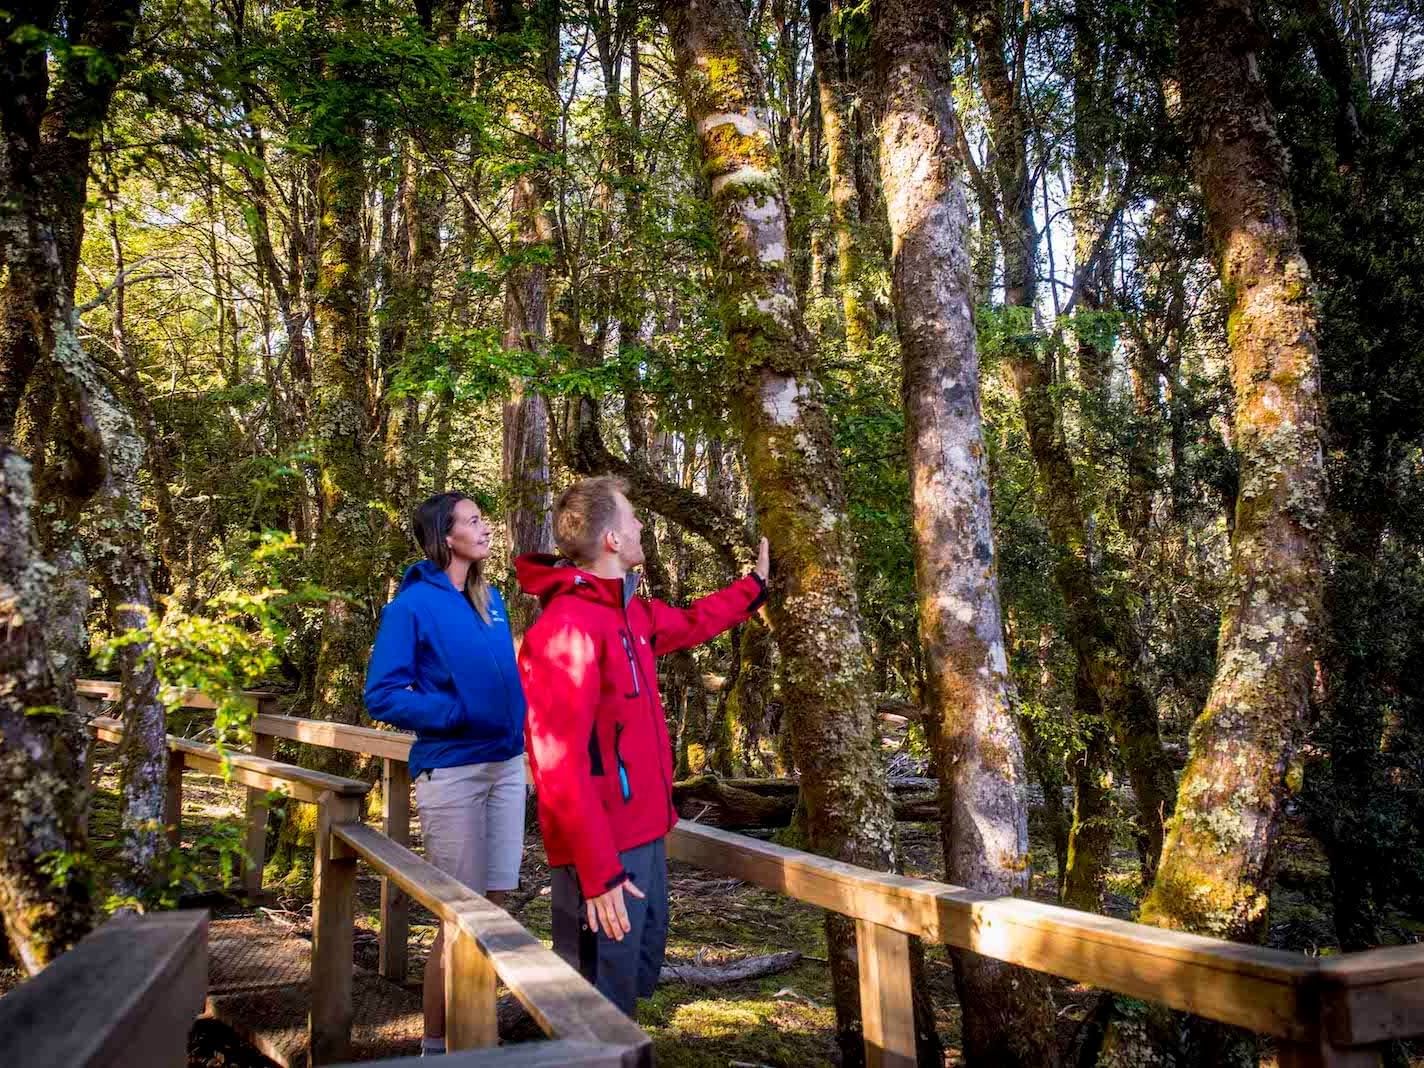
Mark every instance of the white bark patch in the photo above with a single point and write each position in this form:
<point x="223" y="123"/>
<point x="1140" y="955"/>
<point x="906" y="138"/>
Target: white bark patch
<point x="778" y="306"/>
<point x="782" y="400"/>
<point x="954" y="606"/>
<point x="744" y="173"/>
<point x="774" y="252"/>
<point x="748" y="125"/>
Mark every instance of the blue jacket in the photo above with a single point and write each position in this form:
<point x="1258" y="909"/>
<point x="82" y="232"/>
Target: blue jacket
<point x="439" y="670"/>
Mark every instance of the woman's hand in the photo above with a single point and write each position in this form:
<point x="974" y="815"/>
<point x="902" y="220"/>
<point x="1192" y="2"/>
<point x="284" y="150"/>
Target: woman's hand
<point x="763" y="564"/>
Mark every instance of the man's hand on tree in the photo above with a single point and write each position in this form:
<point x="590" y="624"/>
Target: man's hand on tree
<point x="763" y="564"/>
<point x="608" y="913"/>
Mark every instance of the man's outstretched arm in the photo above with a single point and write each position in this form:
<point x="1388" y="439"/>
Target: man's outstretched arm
<point x="682" y="628"/>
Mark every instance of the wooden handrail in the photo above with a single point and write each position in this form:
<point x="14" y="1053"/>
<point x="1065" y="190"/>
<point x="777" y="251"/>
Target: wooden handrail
<point x="108" y="690"/>
<point x="563" y="1004"/>
<point x="1321" y="1011"/>
<point x="366" y="741"/>
<point x="124" y="997"/>
<point x="255" y="771"/>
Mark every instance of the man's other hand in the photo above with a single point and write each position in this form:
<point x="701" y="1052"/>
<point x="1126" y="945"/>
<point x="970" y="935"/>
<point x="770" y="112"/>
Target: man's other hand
<point x="763" y="564"/>
<point x="608" y="913"/>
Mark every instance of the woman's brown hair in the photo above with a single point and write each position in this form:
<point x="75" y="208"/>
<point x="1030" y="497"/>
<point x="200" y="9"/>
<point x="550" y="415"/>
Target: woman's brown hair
<point x="431" y="523"/>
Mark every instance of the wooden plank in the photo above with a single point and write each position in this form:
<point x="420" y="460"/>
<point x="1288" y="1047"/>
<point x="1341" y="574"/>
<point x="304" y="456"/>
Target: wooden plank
<point x="173" y="799"/>
<point x="124" y="997"/>
<point x="555" y="1054"/>
<point x="1261" y="989"/>
<point x="887" y="1006"/>
<point x="369" y="741"/>
<point x="470" y="1020"/>
<point x="109" y="691"/>
<point x="395" y="906"/>
<point x="255" y="835"/>
<point x="246" y="769"/>
<point x="333" y="928"/>
<point x="558" y="998"/>
<point x="1373" y="996"/>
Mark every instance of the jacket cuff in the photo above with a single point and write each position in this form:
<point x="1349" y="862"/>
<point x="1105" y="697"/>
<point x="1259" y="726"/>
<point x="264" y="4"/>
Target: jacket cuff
<point x="593" y="883"/>
<point x="761" y="592"/>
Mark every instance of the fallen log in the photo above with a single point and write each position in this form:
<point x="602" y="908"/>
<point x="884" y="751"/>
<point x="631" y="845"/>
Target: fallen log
<point x="741" y="804"/>
<point x="732" y="972"/>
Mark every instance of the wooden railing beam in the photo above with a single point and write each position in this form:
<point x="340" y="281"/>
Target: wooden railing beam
<point x="246" y="769"/>
<point x="561" y="1002"/>
<point x="124" y="997"/>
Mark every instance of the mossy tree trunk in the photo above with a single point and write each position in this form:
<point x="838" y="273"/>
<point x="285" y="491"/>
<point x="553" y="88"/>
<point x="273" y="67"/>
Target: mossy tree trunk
<point x="44" y="793"/>
<point x="1099" y="627"/>
<point x="1214" y="875"/>
<point x="1216" y="868"/>
<point x="1008" y="1012"/>
<point x="55" y="101"/>
<point x="837" y="99"/>
<point x="1094" y="809"/>
<point x="525" y="464"/>
<point x="348" y="536"/>
<point x="778" y="405"/>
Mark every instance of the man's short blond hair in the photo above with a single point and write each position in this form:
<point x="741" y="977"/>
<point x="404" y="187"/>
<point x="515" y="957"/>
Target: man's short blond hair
<point x="583" y="513"/>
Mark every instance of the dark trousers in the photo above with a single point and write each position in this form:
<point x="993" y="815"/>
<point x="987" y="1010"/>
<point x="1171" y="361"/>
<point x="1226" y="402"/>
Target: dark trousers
<point x="622" y="971"/>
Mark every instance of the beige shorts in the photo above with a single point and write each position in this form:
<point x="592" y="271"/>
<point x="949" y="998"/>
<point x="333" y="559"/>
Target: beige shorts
<point x="472" y="821"/>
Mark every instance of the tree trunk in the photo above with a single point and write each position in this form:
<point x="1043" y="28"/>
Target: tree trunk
<point x="1243" y="742"/>
<point x="525" y="466"/>
<point x="777" y="403"/>
<point x="1008" y="1012"/>
<point x="1099" y="629"/>
<point x="114" y="542"/>
<point x="1091" y="836"/>
<point x="833" y="81"/>
<point x="1216" y="869"/>
<point x="347" y="540"/>
<point x="44" y="790"/>
<point x="47" y="129"/>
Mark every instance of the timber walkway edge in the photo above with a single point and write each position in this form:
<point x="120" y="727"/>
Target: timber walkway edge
<point x="1339" y="1011"/>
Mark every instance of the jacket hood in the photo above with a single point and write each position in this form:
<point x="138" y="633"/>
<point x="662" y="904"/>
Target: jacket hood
<point x="546" y="576"/>
<point x="426" y="571"/>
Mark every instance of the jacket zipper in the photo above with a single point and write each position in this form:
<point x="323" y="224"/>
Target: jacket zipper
<point x="481" y="626"/>
<point x="652" y="711"/>
<point x="625" y="786"/>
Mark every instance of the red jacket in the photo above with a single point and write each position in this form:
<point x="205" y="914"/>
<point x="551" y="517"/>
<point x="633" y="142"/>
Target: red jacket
<point x="596" y="734"/>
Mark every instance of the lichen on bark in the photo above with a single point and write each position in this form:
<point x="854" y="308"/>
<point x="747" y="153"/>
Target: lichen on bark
<point x="1008" y="1012"/>
<point x="779" y="407"/>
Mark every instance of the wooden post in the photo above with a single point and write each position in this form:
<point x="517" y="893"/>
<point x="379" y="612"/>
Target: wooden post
<point x="173" y="798"/>
<point x="886" y="1005"/>
<point x="255" y="846"/>
<point x="333" y="930"/>
<point x="395" y="906"/>
<point x="470" y="1020"/>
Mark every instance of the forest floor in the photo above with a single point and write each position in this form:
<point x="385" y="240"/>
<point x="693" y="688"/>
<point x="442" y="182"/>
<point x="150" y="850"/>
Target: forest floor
<point x="785" y="1019"/>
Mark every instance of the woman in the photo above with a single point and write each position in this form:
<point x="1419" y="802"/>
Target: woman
<point x="443" y="667"/>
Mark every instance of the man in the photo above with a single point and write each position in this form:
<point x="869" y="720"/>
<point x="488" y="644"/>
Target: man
<point x="596" y="735"/>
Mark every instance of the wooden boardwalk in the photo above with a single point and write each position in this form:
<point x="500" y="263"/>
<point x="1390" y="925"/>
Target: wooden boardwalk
<point x="258" y="984"/>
